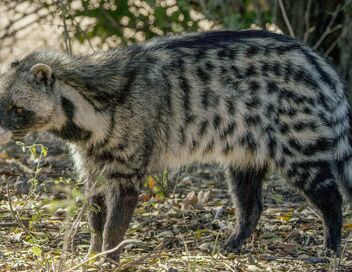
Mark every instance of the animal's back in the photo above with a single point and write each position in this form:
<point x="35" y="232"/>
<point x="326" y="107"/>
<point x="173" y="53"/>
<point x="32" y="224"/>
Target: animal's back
<point x="248" y="97"/>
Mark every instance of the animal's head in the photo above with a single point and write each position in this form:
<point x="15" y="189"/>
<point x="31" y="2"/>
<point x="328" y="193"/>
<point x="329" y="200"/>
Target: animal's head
<point x="27" y="100"/>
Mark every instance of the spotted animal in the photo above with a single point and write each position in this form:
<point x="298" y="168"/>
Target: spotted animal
<point x="250" y="101"/>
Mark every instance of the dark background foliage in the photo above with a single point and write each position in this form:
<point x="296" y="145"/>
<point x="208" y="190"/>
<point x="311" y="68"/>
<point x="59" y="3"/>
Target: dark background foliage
<point x="324" y="25"/>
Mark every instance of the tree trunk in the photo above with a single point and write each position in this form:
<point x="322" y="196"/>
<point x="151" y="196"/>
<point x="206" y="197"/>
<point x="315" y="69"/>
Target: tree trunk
<point x="324" y="25"/>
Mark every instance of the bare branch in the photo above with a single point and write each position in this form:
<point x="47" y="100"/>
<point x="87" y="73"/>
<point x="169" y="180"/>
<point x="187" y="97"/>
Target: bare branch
<point x="15" y="31"/>
<point x="103" y="253"/>
<point x="328" y="29"/>
<point x="68" y="45"/>
<point x="13" y="213"/>
<point x="287" y="22"/>
<point x="306" y="19"/>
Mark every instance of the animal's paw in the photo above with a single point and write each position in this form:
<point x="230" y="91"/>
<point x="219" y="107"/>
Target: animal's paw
<point x="330" y="253"/>
<point x="232" y="245"/>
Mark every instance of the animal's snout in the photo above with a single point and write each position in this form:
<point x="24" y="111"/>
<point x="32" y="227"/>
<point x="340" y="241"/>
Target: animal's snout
<point x="5" y="135"/>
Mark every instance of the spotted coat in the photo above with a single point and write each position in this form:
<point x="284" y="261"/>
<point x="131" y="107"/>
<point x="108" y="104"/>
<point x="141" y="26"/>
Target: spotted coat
<point x="251" y="101"/>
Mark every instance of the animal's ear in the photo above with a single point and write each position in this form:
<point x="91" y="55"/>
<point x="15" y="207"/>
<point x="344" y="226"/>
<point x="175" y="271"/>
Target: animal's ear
<point x="14" y="64"/>
<point x="42" y="73"/>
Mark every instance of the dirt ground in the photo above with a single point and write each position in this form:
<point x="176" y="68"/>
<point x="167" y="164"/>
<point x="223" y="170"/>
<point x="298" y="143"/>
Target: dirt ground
<point x="180" y="231"/>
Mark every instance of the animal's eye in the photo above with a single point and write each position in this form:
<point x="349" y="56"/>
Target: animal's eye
<point x="19" y="110"/>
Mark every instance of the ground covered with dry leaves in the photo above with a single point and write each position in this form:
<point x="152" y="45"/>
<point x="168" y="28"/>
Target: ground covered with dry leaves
<point x="180" y="223"/>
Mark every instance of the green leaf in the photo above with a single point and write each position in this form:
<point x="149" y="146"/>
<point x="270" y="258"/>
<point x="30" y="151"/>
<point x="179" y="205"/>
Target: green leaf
<point x="278" y="198"/>
<point x="34" y="151"/>
<point x="37" y="251"/>
<point x="44" y="151"/>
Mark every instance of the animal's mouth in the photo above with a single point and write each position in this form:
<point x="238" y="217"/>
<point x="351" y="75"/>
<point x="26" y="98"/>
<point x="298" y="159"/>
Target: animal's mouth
<point x="5" y="136"/>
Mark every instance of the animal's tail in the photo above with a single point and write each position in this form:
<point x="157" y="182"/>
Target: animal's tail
<point x="343" y="128"/>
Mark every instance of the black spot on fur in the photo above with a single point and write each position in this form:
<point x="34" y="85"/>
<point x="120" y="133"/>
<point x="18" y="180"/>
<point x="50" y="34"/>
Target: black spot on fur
<point x="254" y="86"/>
<point x="284" y="128"/>
<point x="253" y="119"/>
<point x="324" y="76"/>
<point x="230" y="105"/>
<point x="248" y="141"/>
<point x="203" y="76"/>
<point x="252" y="51"/>
<point x="209" y="148"/>
<point x="184" y="86"/>
<point x="124" y="93"/>
<point x="272" y="145"/>
<point x="194" y="145"/>
<point x="226" y="53"/>
<point x="203" y="128"/>
<point x="253" y="102"/>
<point x="182" y="138"/>
<point x="272" y="87"/>
<point x="216" y="121"/>
<point x="228" y="130"/>
<point x="301" y="75"/>
<point x="227" y="149"/>
<point x="277" y="68"/>
<point x="209" y="65"/>
<point x="250" y="71"/>
<point x="286" y="151"/>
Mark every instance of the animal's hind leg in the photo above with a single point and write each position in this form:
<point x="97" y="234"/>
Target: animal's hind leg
<point x="316" y="180"/>
<point x="245" y="187"/>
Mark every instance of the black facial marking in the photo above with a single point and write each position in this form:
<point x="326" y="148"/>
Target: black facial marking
<point x="70" y="131"/>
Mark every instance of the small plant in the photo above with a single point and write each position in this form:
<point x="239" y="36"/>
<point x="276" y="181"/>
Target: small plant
<point x="157" y="185"/>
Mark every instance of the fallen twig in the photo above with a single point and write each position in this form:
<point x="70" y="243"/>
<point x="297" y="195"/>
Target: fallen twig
<point x="102" y="254"/>
<point x="155" y="253"/>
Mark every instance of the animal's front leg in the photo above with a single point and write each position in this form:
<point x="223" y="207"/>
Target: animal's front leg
<point x="96" y="220"/>
<point x="121" y="200"/>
